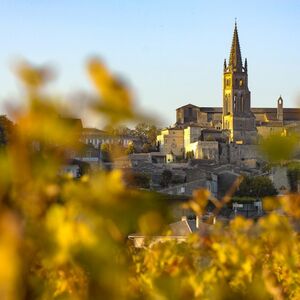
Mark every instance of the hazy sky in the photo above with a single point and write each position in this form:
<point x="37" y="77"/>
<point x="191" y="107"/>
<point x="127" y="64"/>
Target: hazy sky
<point x="171" y="52"/>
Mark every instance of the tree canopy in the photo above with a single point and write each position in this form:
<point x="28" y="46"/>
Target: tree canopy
<point x="256" y="187"/>
<point x="293" y="174"/>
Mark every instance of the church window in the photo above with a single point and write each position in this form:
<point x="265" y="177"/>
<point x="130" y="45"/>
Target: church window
<point x="241" y="82"/>
<point x="234" y="104"/>
<point x="227" y="106"/>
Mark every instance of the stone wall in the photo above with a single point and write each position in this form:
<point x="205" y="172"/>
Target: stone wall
<point x="266" y="131"/>
<point x="171" y="141"/>
<point x="244" y="155"/>
<point x="279" y="178"/>
<point x="224" y="156"/>
<point x="241" y="155"/>
<point x="205" y="150"/>
<point x="186" y="189"/>
<point x="191" y="135"/>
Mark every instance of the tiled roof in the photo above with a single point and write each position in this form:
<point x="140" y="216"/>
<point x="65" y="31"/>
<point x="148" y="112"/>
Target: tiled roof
<point x="271" y="112"/>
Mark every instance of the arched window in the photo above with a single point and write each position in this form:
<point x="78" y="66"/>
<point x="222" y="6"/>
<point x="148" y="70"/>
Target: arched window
<point x="234" y="103"/>
<point x="242" y="103"/>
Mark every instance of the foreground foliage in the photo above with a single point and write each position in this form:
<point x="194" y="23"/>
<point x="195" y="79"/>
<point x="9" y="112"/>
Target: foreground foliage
<point x="67" y="239"/>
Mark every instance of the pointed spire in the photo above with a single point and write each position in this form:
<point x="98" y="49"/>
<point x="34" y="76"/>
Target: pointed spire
<point x="225" y="64"/>
<point x="235" y="59"/>
<point x="246" y="65"/>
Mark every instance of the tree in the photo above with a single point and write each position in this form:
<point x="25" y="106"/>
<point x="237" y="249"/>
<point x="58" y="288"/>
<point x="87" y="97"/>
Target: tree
<point x="190" y="154"/>
<point x="138" y="180"/>
<point x="147" y="133"/>
<point x="146" y="148"/>
<point x="166" y="178"/>
<point x="105" y="152"/>
<point x="122" y="130"/>
<point x="130" y="149"/>
<point x="6" y="127"/>
<point x="84" y="167"/>
<point x="293" y="174"/>
<point x="256" y="187"/>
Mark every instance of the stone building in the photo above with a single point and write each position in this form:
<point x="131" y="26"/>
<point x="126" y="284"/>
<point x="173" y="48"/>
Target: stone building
<point x="236" y="115"/>
<point x="204" y="150"/>
<point x="171" y="140"/>
<point x="96" y="137"/>
<point x="192" y="134"/>
<point x="208" y="117"/>
<point x="266" y="118"/>
<point x="279" y="177"/>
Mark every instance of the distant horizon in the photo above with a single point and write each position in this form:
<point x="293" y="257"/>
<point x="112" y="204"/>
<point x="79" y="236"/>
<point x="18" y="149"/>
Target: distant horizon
<point x="171" y="53"/>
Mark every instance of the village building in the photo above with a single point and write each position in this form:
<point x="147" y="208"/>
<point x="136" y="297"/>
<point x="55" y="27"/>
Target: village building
<point x="171" y="141"/>
<point x="97" y="137"/>
<point x="228" y="134"/>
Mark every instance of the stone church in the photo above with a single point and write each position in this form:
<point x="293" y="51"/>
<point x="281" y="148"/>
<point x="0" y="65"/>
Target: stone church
<point x="227" y="134"/>
<point x="243" y="123"/>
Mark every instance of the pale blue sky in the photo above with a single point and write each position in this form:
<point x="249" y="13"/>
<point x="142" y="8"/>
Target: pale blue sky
<point x="170" y="51"/>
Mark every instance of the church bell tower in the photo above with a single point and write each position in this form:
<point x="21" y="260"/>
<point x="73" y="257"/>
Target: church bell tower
<point x="237" y="115"/>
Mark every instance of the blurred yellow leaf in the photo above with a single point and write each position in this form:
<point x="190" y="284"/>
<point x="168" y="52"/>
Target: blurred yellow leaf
<point x="278" y="148"/>
<point x="116" y="99"/>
